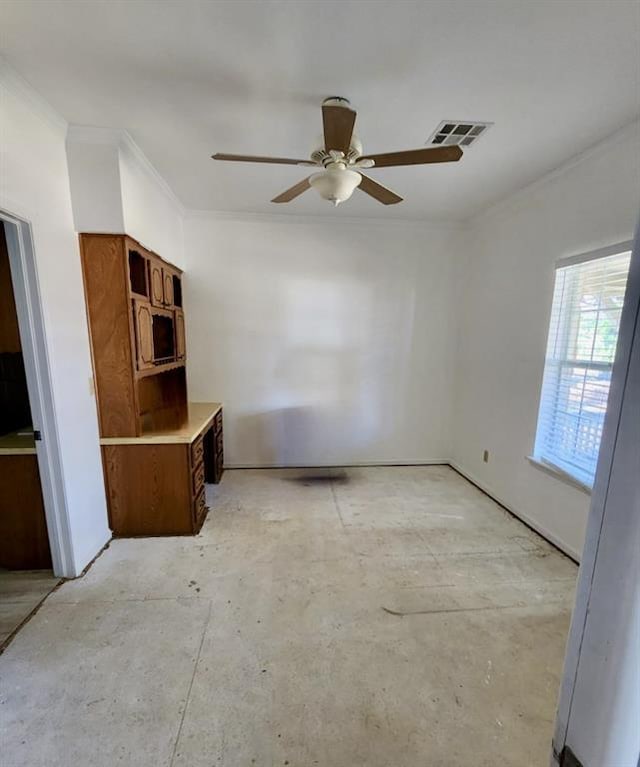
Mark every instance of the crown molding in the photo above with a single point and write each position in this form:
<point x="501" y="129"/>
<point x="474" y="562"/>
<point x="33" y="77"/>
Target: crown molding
<point x="288" y="218"/>
<point x="129" y="145"/>
<point x="17" y="85"/>
<point x="504" y="205"/>
<point x="122" y="140"/>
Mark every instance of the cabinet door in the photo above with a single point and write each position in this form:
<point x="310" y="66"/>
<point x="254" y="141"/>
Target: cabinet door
<point x="144" y="334"/>
<point x="168" y="287"/>
<point x="181" y="349"/>
<point x="157" y="284"/>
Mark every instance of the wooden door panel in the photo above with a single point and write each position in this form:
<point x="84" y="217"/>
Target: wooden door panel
<point x="149" y="489"/>
<point x="181" y="346"/>
<point x="112" y="324"/>
<point x="157" y="284"/>
<point x="167" y="276"/>
<point x="144" y="335"/>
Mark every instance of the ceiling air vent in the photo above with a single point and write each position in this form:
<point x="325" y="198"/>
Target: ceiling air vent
<point x="461" y="133"/>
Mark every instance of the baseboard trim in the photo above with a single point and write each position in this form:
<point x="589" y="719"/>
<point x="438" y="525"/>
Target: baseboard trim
<point x="524" y="518"/>
<point x="428" y="462"/>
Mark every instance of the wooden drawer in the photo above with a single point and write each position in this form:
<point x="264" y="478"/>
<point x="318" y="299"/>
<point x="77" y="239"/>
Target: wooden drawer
<point x="217" y="423"/>
<point x="199" y="510"/>
<point x="198" y="479"/>
<point x="197" y="451"/>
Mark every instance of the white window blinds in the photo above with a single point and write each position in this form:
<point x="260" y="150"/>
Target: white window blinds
<point x="585" y="318"/>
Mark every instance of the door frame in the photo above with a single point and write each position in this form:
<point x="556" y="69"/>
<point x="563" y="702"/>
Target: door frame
<point x="24" y="276"/>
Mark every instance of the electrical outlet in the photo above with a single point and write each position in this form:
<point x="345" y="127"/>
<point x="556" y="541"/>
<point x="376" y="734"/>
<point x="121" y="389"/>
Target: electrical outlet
<point x="485" y="456"/>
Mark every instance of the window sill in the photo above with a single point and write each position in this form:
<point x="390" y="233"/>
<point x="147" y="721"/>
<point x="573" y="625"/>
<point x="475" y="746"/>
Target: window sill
<point x="559" y="474"/>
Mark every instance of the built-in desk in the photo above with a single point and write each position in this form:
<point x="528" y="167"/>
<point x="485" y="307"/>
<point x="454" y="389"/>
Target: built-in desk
<point x="24" y="541"/>
<point x="155" y="482"/>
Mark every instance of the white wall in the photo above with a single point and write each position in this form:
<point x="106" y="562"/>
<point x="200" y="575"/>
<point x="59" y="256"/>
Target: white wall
<point x="152" y="214"/>
<point x="94" y="178"/>
<point x="328" y="344"/>
<point x="507" y="272"/>
<point x="34" y="185"/>
<point x="115" y="189"/>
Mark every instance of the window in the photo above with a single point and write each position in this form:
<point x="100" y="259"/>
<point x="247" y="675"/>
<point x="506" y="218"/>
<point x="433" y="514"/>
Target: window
<point x="585" y="317"/>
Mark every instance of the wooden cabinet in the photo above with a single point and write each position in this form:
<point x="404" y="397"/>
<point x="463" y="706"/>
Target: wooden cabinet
<point x="131" y="296"/>
<point x="157" y="452"/>
<point x="166" y="285"/>
<point x="158" y="488"/>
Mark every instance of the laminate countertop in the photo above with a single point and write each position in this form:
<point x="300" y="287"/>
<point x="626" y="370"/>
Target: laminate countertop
<point x="19" y="442"/>
<point x="200" y="416"/>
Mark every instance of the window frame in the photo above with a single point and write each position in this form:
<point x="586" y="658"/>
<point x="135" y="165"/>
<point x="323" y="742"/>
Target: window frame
<point x="536" y="458"/>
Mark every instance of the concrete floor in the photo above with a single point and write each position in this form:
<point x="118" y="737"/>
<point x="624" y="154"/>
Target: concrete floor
<point x="21" y="591"/>
<point x="273" y="637"/>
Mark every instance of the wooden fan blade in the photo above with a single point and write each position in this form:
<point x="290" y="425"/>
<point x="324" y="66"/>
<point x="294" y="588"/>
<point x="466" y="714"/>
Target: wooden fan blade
<point x="251" y="158"/>
<point x="416" y="156"/>
<point x="381" y="193"/>
<point x="338" y="125"/>
<point x="294" y="191"/>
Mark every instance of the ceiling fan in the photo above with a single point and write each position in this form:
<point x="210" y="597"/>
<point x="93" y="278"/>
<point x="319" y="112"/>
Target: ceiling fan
<point x="341" y="157"/>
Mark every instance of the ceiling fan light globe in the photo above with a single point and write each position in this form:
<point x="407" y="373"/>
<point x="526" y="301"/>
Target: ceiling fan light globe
<point x="335" y="184"/>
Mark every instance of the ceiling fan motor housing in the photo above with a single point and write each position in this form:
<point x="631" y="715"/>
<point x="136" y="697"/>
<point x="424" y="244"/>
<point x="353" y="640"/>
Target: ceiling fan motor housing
<point x="320" y="155"/>
<point x="336" y="101"/>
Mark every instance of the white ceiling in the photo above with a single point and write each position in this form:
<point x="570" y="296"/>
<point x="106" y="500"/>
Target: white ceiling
<point x="190" y="78"/>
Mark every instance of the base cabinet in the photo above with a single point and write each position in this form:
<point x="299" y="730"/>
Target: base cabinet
<point x="24" y="540"/>
<point x="148" y="489"/>
<point x="158" y="488"/>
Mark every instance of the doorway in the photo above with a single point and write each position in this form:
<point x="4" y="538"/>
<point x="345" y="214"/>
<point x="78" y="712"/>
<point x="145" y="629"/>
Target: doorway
<point x="30" y="540"/>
